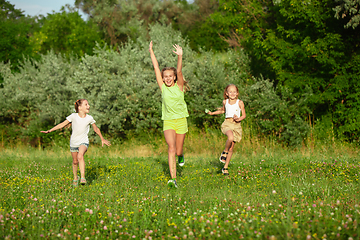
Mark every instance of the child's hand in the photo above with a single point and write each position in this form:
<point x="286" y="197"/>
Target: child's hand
<point x="45" y="131"/>
<point x="207" y="111"/>
<point x="178" y="49"/>
<point x="236" y="118"/>
<point x="150" y="46"/>
<point x="104" y="141"/>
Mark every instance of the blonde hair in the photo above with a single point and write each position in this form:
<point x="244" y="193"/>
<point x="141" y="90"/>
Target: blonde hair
<point x="226" y="89"/>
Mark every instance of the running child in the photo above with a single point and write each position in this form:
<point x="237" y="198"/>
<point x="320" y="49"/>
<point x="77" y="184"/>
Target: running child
<point x="174" y="109"/>
<point x="79" y="141"/>
<point x="234" y="113"/>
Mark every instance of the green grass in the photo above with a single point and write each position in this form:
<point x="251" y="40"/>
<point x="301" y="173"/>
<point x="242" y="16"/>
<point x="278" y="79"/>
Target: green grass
<point x="270" y="194"/>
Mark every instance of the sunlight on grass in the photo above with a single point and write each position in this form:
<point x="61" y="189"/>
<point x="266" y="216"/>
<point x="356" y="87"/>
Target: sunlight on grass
<point x="268" y="195"/>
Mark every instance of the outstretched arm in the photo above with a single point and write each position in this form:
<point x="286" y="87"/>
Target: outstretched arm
<point x="59" y="126"/>
<point x="156" y="66"/>
<point x="180" y="77"/>
<point x="219" y="111"/>
<point x="97" y="130"/>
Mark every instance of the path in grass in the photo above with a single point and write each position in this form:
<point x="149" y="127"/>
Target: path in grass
<point x="266" y="198"/>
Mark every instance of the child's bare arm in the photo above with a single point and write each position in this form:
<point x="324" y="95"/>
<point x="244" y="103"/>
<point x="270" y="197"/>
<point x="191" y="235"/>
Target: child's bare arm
<point x="180" y="77"/>
<point x="98" y="132"/>
<point x="243" y="113"/>
<point x="219" y="111"/>
<point x="156" y="66"/>
<point x="59" y="126"/>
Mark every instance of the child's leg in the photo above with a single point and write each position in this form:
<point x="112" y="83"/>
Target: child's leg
<point x="80" y="158"/>
<point x="229" y="141"/>
<point x="75" y="164"/>
<point x="170" y="138"/>
<point x="229" y="146"/>
<point x="179" y="144"/>
<point x="229" y="156"/>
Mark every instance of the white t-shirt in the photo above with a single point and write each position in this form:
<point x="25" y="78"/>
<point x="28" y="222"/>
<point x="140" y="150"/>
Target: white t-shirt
<point x="80" y="129"/>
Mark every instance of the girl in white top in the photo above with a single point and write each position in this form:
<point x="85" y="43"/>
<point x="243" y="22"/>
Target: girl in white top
<point x="79" y="141"/>
<point x="234" y="113"/>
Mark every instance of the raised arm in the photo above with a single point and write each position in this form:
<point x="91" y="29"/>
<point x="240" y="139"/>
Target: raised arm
<point x="156" y="66"/>
<point x="98" y="132"/>
<point x="180" y="78"/>
<point x="219" y="111"/>
<point x="59" y="126"/>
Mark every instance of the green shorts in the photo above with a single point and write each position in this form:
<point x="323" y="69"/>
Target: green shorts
<point x="179" y="125"/>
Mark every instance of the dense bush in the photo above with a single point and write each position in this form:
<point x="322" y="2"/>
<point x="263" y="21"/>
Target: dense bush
<point x="124" y="96"/>
<point x="120" y="85"/>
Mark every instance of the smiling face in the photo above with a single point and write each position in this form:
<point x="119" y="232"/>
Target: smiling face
<point x="169" y="76"/>
<point x="232" y="92"/>
<point x="84" y="107"/>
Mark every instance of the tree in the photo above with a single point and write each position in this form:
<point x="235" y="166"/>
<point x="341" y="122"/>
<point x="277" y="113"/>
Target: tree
<point x="120" y="20"/>
<point x="66" y="32"/>
<point x="350" y="11"/>
<point x="15" y="30"/>
<point x="309" y="48"/>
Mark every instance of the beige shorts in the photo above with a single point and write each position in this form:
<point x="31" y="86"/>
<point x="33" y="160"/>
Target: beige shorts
<point x="234" y="127"/>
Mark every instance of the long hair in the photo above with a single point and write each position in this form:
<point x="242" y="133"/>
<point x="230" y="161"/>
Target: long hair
<point x="78" y="103"/>
<point x="186" y="85"/>
<point x="226" y="89"/>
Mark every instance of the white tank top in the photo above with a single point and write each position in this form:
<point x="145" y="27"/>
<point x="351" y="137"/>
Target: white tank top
<point x="230" y="110"/>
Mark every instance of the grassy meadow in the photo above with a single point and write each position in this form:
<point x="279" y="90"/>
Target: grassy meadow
<point x="271" y="193"/>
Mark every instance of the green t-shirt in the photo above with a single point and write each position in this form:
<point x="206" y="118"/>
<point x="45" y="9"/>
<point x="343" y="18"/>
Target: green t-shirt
<point x="173" y="103"/>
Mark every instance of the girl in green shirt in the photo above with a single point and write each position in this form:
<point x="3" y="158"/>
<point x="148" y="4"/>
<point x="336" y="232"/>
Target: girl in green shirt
<point x="174" y="110"/>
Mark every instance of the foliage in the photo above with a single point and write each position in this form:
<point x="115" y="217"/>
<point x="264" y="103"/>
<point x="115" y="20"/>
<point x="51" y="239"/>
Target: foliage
<point x="120" y="85"/>
<point x="15" y="30"/>
<point x="346" y="112"/>
<point x="67" y="33"/>
<point x="349" y="10"/>
<point x="279" y="115"/>
<point x="309" y="48"/>
<point x="8" y="11"/>
<point x="120" y="19"/>
<point x="234" y="24"/>
<point x="39" y="95"/>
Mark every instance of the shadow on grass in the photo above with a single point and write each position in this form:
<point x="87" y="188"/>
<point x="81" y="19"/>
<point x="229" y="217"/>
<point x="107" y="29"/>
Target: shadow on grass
<point x="165" y="167"/>
<point x="94" y="172"/>
<point x="217" y="164"/>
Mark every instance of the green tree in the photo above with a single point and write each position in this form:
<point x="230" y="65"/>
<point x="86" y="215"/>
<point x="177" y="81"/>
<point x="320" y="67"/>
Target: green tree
<point x="309" y="48"/>
<point x="233" y="24"/>
<point x="120" y="20"/>
<point x="67" y="33"/>
<point x="15" y="30"/>
<point x="349" y="10"/>
<point x="120" y="86"/>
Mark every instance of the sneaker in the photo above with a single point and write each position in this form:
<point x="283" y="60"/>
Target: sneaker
<point x="223" y="157"/>
<point x="172" y="183"/>
<point x="181" y="160"/>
